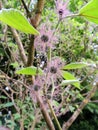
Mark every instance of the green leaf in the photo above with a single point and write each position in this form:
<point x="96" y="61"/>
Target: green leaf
<point x="71" y="108"/>
<point x="68" y="76"/>
<point x="3" y="97"/>
<point x="15" y="64"/>
<point x="30" y="71"/>
<point x="76" y="65"/>
<point x="67" y="82"/>
<point x="90" y="11"/>
<point x="2" y="52"/>
<point x="55" y="103"/>
<point x="9" y="104"/>
<point x="10" y="123"/>
<point x="31" y="116"/>
<point x="17" y="20"/>
<point x="16" y="116"/>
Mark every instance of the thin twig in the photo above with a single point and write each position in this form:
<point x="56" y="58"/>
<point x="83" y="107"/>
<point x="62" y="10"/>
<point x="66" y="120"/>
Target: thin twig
<point x="54" y="115"/>
<point x="5" y="76"/>
<point x="71" y="16"/>
<point x="20" y="46"/>
<point x="35" y="120"/>
<point x="26" y="8"/>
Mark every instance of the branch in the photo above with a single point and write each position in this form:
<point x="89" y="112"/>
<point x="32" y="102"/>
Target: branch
<point x="44" y="112"/>
<point x="71" y="16"/>
<point x="20" y="46"/>
<point x="35" y="22"/>
<point x="35" y="120"/>
<point x="26" y="8"/>
<point x="82" y="105"/>
<point x="38" y="13"/>
<point x="0" y="5"/>
<point x="31" y="51"/>
<point x="54" y="115"/>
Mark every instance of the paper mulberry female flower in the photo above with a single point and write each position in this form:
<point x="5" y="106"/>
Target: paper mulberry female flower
<point x="61" y="8"/>
<point x="54" y="68"/>
<point x="45" y="40"/>
<point x="37" y="86"/>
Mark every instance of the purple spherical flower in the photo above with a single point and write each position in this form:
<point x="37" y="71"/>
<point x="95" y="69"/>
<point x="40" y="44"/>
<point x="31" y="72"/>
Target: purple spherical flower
<point x="46" y="39"/>
<point x="61" y="8"/>
<point x="54" y="68"/>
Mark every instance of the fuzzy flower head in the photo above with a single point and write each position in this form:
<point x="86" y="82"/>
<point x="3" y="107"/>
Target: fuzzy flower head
<point x="45" y="40"/>
<point x="39" y="82"/>
<point x="37" y="86"/>
<point x="54" y="68"/>
<point x="61" y="8"/>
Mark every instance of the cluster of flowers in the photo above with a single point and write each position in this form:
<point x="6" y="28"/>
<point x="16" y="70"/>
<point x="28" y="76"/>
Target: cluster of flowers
<point x="45" y="42"/>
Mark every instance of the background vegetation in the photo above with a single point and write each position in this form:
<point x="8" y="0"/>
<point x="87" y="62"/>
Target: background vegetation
<point x="77" y="42"/>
